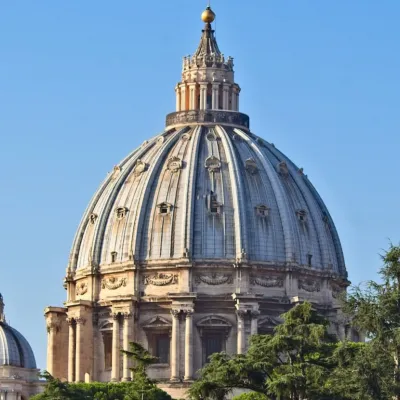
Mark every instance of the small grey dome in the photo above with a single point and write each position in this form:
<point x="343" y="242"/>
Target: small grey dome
<point x="14" y="349"/>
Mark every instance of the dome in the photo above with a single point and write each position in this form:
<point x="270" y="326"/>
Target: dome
<point x="14" y="349"/>
<point x="208" y="193"/>
<point x="202" y="236"/>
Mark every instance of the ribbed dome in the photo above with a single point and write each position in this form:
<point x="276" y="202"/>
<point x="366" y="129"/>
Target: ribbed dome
<point x="14" y="349"/>
<point x="208" y="192"/>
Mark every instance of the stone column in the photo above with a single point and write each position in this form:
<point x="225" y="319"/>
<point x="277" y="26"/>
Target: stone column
<point x="203" y="96"/>
<point x="225" y="97"/>
<point x="115" y="349"/>
<point x="188" y="345"/>
<point x="53" y="328"/>
<point x="183" y="97"/>
<point x="192" y="96"/>
<point x="80" y="322"/>
<point x="71" y="350"/>
<point x="240" y="331"/>
<point x="178" y="98"/>
<point x="126" y="340"/>
<point x="254" y="322"/>
<point x="175" y="346"/>
<point x="215" y="96"/>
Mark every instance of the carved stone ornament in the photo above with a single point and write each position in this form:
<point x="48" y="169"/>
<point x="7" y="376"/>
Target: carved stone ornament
<point x="121" y="212"/>
<point x="309" y="285"/>
<point x="266" y="281"/>
<point x="283" y="168"/>
<point x="185" y="137"/>
<point x="139" y="168"/>
<point x="214" y="279"/>
<point x="160" y="279"/>
<point x="174" y="164"/>
<point x="81" y="288"/>
<point x="160" y="140"/>
<point x="213" y="164"/>
<point x="116" y="172"/>
<point x="251" y="166"/>
<point x="113" y="283"/>
<point x="92" y="218"/>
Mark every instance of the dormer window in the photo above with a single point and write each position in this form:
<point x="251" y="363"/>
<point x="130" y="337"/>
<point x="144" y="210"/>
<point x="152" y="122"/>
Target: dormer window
<point x="262" y="211"/>
<point x="164" y="208"/>
<point x="114" y="256"/>
<point x="251" y="166"/>
<point x="121" y="212"/>
<point x="302" y="215"/>
<point x="213" y="205"/>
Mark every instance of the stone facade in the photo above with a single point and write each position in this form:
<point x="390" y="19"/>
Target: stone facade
<point x="197" y="240"/>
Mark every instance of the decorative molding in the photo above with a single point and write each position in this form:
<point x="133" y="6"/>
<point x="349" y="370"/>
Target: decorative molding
<point x="139" y="167"/>
<point x="213" y="164"/>
<point x="266" y="281"/>
<point x="160" y="279"/>
<point x="208" y="116"/>
<point x="251" y="166"/>
<point x="174" y="164"/>
<point x="81" y="288"/>
<point x="309" y="285"/>
<point x="113" y="283"/>
<point x="214" y="279"/>
<point x="160" y="141"/>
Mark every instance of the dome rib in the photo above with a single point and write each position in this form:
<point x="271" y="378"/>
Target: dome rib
<point x="187" y="222"/>
<point x="281" y="200"/>
<point x="152" y="176"/>
<point x="237" y="193"/>
<point x="14" y="349"/>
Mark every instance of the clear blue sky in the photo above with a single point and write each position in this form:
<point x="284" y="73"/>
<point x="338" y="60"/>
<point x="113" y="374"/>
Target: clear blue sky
<point x="82" y="83"/>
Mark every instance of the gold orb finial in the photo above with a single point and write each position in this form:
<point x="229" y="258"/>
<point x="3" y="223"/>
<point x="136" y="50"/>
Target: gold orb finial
<point x="208" y="15"/>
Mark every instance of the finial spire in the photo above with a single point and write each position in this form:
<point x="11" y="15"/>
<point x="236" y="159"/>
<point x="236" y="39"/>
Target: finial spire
<point x="2" y="316"/>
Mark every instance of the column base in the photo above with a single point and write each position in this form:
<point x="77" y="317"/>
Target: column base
<point x="188" y="379"/>
<point x="126" y="379"/>
<point x="114" y="380"/>
<point x="174" y="379"/>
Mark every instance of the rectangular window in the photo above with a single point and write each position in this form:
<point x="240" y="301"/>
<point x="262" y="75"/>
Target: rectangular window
<point x="162" y="343"/>
<point x="107" y="340"/>
<point x="213" y="343"/>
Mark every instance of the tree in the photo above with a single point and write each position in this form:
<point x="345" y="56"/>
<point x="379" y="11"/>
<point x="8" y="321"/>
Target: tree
<point x="375" y="310"/>
<point x="294" y="363"/>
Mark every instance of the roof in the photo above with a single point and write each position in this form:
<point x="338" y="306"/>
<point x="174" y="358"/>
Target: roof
<point x="208" y="193"/>
<point x="15" y="349"/>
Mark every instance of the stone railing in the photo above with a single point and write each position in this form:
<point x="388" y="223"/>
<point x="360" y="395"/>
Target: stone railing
<point x="208" y="116"/>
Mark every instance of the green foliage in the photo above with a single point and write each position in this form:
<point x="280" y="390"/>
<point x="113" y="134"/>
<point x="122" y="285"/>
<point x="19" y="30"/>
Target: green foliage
<point x="294" y="363"/>
<point x="251" y="396"/>
<point x="141" y="357"/>
<point x="57" y="390"/>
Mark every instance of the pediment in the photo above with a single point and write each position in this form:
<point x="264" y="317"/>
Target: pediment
<point x="156" y="322"/>
<point x="214" y="321"/>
